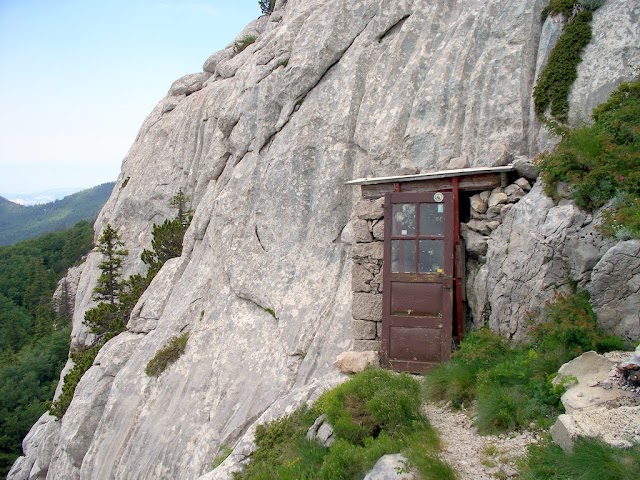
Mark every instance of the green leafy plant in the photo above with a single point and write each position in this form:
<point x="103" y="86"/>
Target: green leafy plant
<point x="167" y="355"/>
<point x="244" y="42"/>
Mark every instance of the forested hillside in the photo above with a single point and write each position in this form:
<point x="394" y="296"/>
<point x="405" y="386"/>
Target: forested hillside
<point x="34" y="333"/>
<point x="19" y="222"/>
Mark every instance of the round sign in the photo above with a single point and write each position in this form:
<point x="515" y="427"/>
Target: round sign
<point x="438" y="197"/>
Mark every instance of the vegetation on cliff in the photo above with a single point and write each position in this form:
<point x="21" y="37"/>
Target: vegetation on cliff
<point x="600" y="163"/>
<point x="117" y="296"/>
<point x="34" y="332"/>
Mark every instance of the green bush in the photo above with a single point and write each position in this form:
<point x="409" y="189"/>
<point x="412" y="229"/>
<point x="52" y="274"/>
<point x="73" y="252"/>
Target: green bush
<point x="557" y="7"/>
<point x="554" y="84"/>
<point x="167" y="355"/>
<point x="375" y="413"/>
<point x="590" y="460"/>
<point x="601" y="162"/>
<point x="511" y="385"/>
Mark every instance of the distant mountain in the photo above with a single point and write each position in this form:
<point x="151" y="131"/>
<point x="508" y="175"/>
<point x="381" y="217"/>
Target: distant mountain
<point x="19" y="222"/>
<point x="37" y="198"/>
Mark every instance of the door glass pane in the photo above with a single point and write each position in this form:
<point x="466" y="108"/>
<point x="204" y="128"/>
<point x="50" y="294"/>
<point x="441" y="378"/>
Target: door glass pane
<point x="431" y="256"/>
<point x="404" y="219"/>
<point x="432" y="219"/>
<point x="403" y="256"/>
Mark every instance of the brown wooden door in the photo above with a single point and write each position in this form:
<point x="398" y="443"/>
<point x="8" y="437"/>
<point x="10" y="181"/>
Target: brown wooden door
<point x="418" y="280"/>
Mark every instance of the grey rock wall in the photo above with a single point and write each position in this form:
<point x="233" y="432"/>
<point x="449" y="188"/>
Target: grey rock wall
<point x="369" y="88"/>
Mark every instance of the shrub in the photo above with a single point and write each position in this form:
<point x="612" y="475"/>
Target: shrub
<point x="83" y="360"/>
<point x="375" y="413"/>
<point x="591" y="5"/>
<point x="267" y="6"/>
<point x="511" y="386"/>
<point x="167" y="355"/>
<point x="558" y="76"/>
<point x="244" y="42"/>
<point x="601" y="162"/>
<point x="590" y="460"/>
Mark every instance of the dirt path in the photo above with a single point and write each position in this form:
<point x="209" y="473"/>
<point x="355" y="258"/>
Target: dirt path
<point x="473" y="456"/>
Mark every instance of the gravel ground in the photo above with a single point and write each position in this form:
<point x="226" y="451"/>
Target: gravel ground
<point x="474" y="456"/>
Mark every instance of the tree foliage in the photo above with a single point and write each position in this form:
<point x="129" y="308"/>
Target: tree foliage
<point x="34" y="333"/>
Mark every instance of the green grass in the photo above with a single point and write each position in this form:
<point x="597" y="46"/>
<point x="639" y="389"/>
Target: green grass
<point x="375" y="413"/>
<point x="601" y="162"/>
<point x="510" y="386"/>
<point x="244" y="42"/>
<point x="590" y="460"/>
<point x="167" y="355"/>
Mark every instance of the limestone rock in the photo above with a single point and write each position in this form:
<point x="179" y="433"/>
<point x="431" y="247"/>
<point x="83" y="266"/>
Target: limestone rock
<point x="475" y="243"/>
<point x="618" y="427"/>
<point x="371" y="88"/>
<point x="378" y="230"/>
<point x="615" y="290"/>
<point x="390" y="467"/>
<point x="497" y="198"/>
<point x="355" y="362"/>
<point x="526" y="168"/>
<point x="361" y="233"/>
<point x="321" y="431"/>
<point x="458" y="162"/>
<point x="478" y="204"/>
<point x="64" y="298"/>
<point x="367" y="306"/>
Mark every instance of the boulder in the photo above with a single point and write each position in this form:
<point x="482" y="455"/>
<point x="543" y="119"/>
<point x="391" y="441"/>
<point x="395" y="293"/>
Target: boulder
<point x="391" y="467"/>
<point x="355" y="362"/>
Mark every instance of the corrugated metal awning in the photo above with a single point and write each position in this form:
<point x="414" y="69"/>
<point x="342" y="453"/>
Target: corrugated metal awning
<point x="461" y="172"/>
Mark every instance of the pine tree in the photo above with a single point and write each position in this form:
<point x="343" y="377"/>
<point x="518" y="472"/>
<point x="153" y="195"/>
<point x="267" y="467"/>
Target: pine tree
<point x="181" y="202"/>
<point x="110" y="283"/>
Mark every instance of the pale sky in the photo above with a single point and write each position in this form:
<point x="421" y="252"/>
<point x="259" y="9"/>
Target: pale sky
<point x="77" y="78"/>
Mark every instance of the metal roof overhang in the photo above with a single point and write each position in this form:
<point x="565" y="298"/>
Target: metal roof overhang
<point x="461" y="172"/>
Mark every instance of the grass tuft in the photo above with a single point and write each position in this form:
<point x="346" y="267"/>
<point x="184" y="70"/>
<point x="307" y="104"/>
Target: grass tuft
<point x="590" y="460"/>
<point x="244" y="42"/>
<point x="167" y="355"/>
<point x="510" y="386"/>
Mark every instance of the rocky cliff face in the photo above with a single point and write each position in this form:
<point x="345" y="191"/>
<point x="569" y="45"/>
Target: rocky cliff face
<point x="263" y="141"/>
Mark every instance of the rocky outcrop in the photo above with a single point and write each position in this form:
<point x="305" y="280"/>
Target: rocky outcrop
<point x="263" y="142"/>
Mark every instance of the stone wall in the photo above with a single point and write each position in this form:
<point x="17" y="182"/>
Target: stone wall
<point x="367" y="235"/>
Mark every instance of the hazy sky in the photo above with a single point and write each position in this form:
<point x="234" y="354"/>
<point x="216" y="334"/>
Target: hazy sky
<point x="77" y="78"/>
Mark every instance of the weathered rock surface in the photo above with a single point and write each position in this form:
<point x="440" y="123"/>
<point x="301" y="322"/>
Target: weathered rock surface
<point x="538" y="247"/>
<point x="595" y="408"/>
<point x="390" y="467"/>
<point x="354" y="362"/>
<point x="264" y="150"/>
<point x="615" y="290"/>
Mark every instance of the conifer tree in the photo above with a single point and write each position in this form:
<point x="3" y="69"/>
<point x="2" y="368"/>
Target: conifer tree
<point x="110" y="282"/>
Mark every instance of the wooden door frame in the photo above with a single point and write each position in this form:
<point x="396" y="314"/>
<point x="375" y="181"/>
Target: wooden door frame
<point x="448" y="281"/>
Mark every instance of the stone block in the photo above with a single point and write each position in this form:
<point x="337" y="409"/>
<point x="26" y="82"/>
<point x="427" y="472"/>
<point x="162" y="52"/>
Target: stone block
<point x="525" y="168"/>
<point x="360" y="278"/>
<point x="354" y="362"/>
<point x="373" y="250"/>
<point x="493" y="224"/>
<point x="363" y="330"/>
<point x="366" y="306"/>
<point x="459" y="162"/>
<point x="505" y="209"/>
<point x="478" y="204"/>
<point x="475" y="244"/>
<point x="497" y="198"/>
<point x="367" y="345"/>
<point x="378" y="330"/>
<point x="361" y="232"/>
<point x="480" y="226"/>
<point x="523" y="183"/>
<point x="369" y="209"/>
<point x="378" y="230"/>
<point x="494" y="212"/>
<point x="484" y="196"/>
<point x="514" y="193"/>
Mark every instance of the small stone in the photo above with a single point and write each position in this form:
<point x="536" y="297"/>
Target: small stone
<point x="607" y="385"/>
<point x="480" y="226"/>
<point x="493" y="224"/>
<point x="478" y="204"/>
<point x="354" y="362"/>
<point x="523" y="183"/>
<point x="361" y="232"/>
<point x="497" y="198"/>
<point x="593" y="383"/>
<point x="484" y="196"/>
